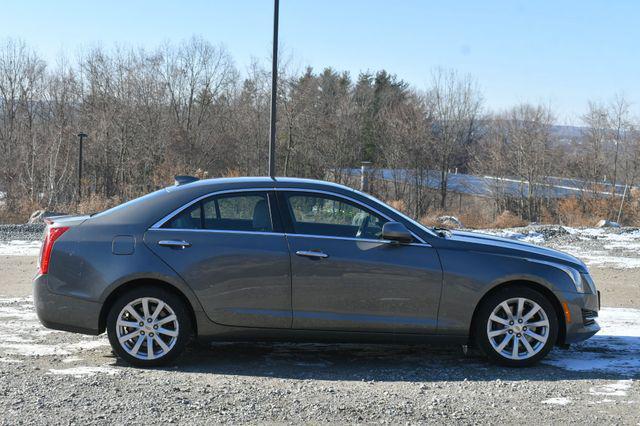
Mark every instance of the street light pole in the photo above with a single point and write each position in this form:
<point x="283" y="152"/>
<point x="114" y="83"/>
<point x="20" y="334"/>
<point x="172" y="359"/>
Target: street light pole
<point x="81" y="136"/>
<point x="274" y="91"/>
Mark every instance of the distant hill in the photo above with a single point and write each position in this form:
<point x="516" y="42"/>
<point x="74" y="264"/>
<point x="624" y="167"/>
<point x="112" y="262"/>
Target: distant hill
<point x="567" y="132"/>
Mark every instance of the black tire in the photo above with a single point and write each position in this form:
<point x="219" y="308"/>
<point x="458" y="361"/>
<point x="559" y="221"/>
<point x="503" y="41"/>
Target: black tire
<point x="174" y="302"/>
<point x="480" y="325"/>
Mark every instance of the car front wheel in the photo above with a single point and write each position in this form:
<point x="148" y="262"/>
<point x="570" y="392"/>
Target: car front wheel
<point x="148" y="326"/>
<point x="516" y="326"/>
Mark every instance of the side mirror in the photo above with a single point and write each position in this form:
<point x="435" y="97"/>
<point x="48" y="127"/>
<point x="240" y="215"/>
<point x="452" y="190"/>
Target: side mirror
<point x="395" y="231"/>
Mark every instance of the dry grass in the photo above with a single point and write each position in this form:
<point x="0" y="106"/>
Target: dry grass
<point x="398" y="205"/>
<point x="7" y="216"/>
<point x="94" y="204"/>
<point x="507" y="219"/>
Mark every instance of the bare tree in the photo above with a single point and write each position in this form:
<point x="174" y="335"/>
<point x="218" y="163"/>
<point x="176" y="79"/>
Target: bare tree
<point x="457" y="105"/>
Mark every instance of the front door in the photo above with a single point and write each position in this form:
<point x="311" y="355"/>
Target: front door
<point x="346" y="278"/>
<point x="234" y="260"/>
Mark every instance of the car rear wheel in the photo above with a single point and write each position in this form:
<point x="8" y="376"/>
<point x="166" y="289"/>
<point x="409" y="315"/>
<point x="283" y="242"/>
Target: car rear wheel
<point x="517" y="326"/>
<point x="148" y="327"/>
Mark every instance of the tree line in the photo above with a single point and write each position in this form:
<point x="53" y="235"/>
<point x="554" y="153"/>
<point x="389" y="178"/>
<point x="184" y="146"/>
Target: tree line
<point x="186" y="108"/>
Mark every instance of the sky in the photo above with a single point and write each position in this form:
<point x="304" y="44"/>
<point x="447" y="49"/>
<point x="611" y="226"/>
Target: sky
<point x="560" y="53"/>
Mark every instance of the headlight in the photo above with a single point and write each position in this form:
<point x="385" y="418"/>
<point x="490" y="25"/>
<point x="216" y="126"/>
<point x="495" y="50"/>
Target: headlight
<point x="576" y="277"/>
<point x="583" y="282"/>
<point x="586" y="278"/>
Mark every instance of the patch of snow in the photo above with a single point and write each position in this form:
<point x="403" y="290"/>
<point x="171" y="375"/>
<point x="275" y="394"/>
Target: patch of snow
<point x="618" y="388"/>
<point x="33" y="349"/>
<point x="20" y="248"/>
<point x="10" y="360"/>
<point x="527" y="237"/>
<point x="22" y="335"/>
<point x="72" y="359"/>
<point x="616" y="248"/>
<point x="84" y="371"/>
<point x="557" y="401"/>
<point x="601" y="258"/>
<point x="614" y="349"/>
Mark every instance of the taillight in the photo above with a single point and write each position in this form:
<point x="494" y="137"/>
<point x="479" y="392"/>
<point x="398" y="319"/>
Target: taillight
<point x="50" y="237"/>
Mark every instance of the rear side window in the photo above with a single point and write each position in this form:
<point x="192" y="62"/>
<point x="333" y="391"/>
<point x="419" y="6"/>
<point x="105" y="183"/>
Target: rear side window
<point x="247" y="211"/>
<point x="190" y="218"/>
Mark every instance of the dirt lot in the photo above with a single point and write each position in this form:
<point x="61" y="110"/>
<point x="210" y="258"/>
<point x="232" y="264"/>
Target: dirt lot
<point x="51" y="377"/>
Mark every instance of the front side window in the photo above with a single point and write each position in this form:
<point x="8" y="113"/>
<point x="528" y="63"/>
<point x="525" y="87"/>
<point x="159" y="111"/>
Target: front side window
<point x="316" y="214"/>
<point x="227" y="212"/>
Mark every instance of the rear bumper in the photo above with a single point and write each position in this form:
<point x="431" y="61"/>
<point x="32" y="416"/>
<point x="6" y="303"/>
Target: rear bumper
<point x="580" y="328"/>
<point x="65" y="313"/>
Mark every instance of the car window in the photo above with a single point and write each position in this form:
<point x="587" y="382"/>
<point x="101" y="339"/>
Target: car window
<point x="331" y="216"/>
<point x="190" y="218"/>
<point x="228" y="212"/>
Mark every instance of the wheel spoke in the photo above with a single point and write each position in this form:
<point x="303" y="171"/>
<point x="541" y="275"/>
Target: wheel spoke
<point x="145" y="307"/>
<point x="520" y="308"/>
<point x="134" y="313"/>
<point x="166" y="320"/>
<point x="159" y="308"/>
<point x="149" y="347"/>
<point x="136" y="347"/>
<point x="499" y="320"/>
<point x="535" y="336"/>
<point x="543" y="323"/>
<point x="495" y="333"/>
<point x="130" y="324"/>
<point x="507" y="310"/>
<point x="505" y="342"/>
<point x="527" y="346"/>
<point x="532" y="312"/>
<point x="514" y="352"/>
<point x="129" y="336"/>
<point x="172" y="333"/>
<point x="161" y="343"/>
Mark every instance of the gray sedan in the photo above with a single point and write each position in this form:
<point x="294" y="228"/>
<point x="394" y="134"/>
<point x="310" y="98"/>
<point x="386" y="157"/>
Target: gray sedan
<point x="301" y="260"/>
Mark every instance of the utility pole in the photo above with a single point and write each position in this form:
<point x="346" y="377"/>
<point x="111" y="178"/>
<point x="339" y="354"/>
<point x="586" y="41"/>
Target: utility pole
<point x="81" y="136"/>
<point x="364" y="176"/>
<point x="274" y="91"/>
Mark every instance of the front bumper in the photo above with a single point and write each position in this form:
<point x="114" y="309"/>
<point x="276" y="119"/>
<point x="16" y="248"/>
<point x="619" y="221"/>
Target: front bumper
<point x="65" y="313"/>
<point x="583" y="310"/>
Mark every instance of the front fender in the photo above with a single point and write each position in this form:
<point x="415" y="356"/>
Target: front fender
<point x="468" y="276"/>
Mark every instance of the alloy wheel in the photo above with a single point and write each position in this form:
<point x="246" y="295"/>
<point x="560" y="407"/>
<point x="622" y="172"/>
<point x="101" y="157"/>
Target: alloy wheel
<point x="147" y="328"/>
<point x="518" y="328"/>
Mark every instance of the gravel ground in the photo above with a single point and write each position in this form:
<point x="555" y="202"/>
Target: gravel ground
<point x="29" y="232"/>
<point x="49" y="377"/>
<point x="52" y="377"/>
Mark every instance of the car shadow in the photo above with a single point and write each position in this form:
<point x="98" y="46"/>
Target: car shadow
<point x="602" y="357"/>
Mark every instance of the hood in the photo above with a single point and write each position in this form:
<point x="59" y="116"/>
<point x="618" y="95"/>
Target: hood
<point x="477" y="241"/>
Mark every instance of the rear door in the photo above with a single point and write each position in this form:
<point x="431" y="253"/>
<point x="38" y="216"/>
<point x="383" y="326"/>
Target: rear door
<point x="231" y="251"/>
<point x="346" y="278"/>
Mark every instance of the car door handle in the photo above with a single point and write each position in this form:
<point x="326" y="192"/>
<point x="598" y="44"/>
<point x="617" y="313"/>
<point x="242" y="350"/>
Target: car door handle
<point x="310" y="253"/>
<point x="174" y="243"/>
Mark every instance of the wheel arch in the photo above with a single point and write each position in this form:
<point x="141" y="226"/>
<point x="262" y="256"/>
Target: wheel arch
<point x="142" y="282"/>
<point x="545" y="291"/>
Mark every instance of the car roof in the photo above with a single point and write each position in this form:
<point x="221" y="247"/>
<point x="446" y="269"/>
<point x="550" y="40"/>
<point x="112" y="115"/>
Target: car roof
<point x="260" y="181"/>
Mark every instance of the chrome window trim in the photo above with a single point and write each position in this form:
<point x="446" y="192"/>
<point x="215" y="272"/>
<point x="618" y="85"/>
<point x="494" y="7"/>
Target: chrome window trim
<point x="177" y="211"/>
<point x="218" y="231"/>
<point x="364" y="240"/>
<point x="282" y="234"/>
<point x="161" y="222"/>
